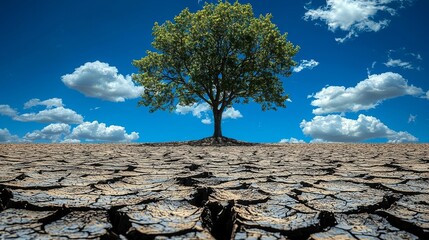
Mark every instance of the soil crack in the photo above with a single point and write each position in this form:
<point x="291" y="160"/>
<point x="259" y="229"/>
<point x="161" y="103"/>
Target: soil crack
<point x="219" y="219"/>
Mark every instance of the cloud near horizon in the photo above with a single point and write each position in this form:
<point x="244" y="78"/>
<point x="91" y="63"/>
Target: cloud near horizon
<point x="95" y="131"/>
<point x="99" y="80"/>
<point x="7" y="137"/>
<point x="59" y="129"/>
<point x="354" y="16"/>
<point x="291" y="140"/>
<point x="86" y="132"/>
<point x="52" y="132"/>
<point x="335" y="128"/>
<point x="365" y="95"/>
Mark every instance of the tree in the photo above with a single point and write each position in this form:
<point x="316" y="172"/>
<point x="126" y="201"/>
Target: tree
<point x="221" y="55"/>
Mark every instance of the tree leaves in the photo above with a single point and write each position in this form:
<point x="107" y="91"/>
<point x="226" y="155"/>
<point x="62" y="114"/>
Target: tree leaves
<point x="221" y="55"/>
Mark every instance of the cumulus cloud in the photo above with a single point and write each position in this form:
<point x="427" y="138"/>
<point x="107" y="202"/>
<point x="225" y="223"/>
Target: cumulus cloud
<point x="231" y="113"/>
<point x="400" y="137"/>
<point x="306" y="64"/>
<point x="197" y="109"/>
<point x="200" y="109"/>
<point x="53" y="132"/>
<point x="6" y="110"/>
<point x="49" y="103"/>
<point x="335" y="128"/>
<point x="95" y="131"/>
<point x="55" y="112"/>
<point x="99" y="80"/>
<point x="365" y="95"/>
<point x="206" y="121"/>
<point x="7" y="137"/>
<point x="291" y="140"/>
<point x="59" y="130"/>
<point x="54" y="115"/>
<point x="353" y="16"/>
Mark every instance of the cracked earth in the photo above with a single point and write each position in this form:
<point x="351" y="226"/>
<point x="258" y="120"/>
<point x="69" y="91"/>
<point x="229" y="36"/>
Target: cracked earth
<point x="294" y="191"/>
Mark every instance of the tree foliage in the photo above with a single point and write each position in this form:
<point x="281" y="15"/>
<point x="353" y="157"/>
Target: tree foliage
<point x="221" y="55"/>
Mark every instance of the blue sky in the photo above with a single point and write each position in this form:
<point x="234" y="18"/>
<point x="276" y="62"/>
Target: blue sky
<point x="65" y="71"/>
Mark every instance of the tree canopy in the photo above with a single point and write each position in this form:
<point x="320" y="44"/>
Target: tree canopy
<point x="220" y="55"/>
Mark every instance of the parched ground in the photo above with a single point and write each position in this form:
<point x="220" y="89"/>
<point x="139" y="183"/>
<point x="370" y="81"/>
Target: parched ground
<point x="294" y="191"/>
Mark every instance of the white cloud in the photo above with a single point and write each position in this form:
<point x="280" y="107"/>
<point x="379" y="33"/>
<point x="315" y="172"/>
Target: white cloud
<point x="398" y="63"/>
<point x="55" y="112"/>
<point x="6" y="110"/>
<point x="353" y="16"/>
<point x="365" y="95"/>
<point x="7" y="137"/>
<point x="70" y="141"/>
<point x="56" y="128"/>
<point x="427" y="95"/>
<point x="99" y="80"/>
<point x="368" y="70"/>
<point x="59" y="130"/>
<point x="291" y="140"/>
<point x="334" y="128"/>
<point x="396" y="58"/>
<point x="417" y="56"/>
<point x="412" y="118"/>
<point x="306" y="64"/>
<point x="206" y="121"/>
<point x="200" y="109"/>
<point x="231" y="113"/>
<point x="95" y="131"/>
<point x="49" y="103"/>
<point x="52" y="132"/>
<point x="196" y="109"/>
<point x="400" y="137"/>
<point x="316" y="140"/>
<point x="54" y="115"/>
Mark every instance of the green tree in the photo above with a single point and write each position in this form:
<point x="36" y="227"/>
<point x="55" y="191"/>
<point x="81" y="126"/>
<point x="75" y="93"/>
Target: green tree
<point x="221" y="55"/>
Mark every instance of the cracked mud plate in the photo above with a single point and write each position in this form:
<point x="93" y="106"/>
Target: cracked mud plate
<point x="180" y="191"/>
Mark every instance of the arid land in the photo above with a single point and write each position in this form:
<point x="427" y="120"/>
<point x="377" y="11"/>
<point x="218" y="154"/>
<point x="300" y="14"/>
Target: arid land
<point x="291" y="191"/>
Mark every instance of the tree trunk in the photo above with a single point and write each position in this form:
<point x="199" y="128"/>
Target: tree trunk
<point x="217" y="114"/>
